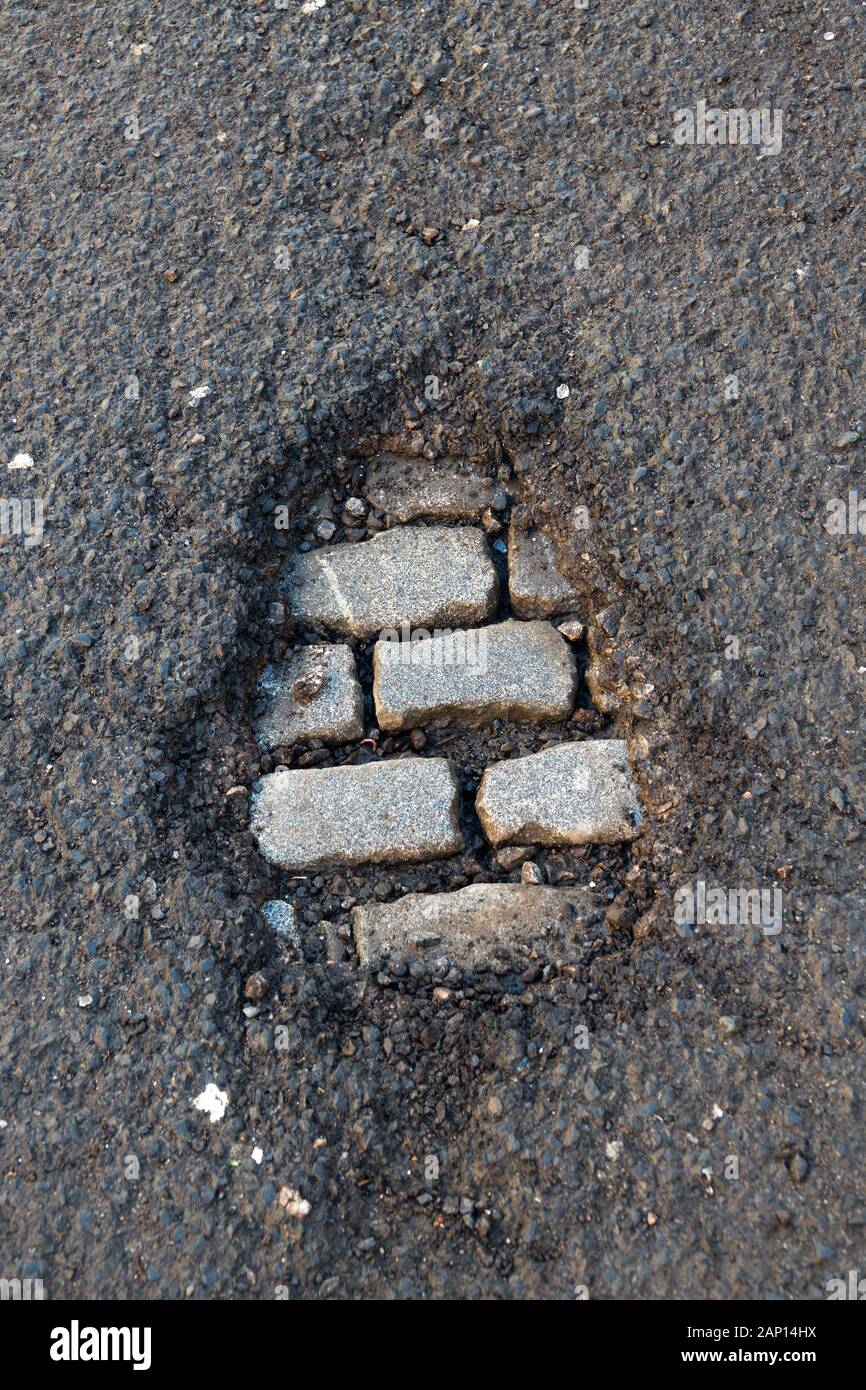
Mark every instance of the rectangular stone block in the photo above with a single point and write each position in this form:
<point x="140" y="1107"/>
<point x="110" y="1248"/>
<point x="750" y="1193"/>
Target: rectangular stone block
<point x="519" y="671"/>
<point x="574" y="794"/>
<point x="473" y="926"/>
<point x="424" y="575"/>
<point x="535" y="586"/>
<point x="440" y="489"/>
<point x="385" y="812"/>
<point x="315" y="694"/>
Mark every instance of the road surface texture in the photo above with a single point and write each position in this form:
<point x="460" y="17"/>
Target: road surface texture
<point x="244" y="249"/>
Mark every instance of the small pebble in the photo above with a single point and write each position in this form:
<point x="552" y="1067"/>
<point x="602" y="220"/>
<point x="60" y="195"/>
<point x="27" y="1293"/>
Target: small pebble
<point x="798" y="1167"/>
<point x="293" y="1203"/>
<point x="572" y="629"/>
<point x="511" y="857"/>
<point x="307" y="686"/>
<point x="848" y="440"/>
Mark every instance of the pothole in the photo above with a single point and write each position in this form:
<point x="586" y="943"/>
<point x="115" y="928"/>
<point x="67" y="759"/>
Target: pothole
<point x="400" y="559"/>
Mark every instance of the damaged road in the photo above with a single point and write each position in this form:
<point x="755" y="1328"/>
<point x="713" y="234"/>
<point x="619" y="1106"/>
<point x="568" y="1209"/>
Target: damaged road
<point x="244" y="254"/>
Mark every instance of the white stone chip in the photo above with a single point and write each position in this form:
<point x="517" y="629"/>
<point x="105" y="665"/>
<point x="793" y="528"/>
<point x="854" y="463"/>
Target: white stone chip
<point x="212" y="1101"/>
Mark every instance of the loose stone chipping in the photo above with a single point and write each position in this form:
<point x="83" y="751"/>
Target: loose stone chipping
<point x="333" y="713"/>
<point x="473" y="925"/>
<point x="535" y="586"/>
<point x="573" y="794"/>
<point x="430" y="576"/>
<point x="409" y="488"/>
<point x="280" y="917"/>
<point x="387" y="812"/>
<point x="518" y="671"/>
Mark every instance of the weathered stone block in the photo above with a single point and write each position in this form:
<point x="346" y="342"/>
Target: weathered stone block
<point x="574" y="794"/>
<point x="440" y="489"/>
<point x="424" y="575"/>
<point x="316" y="694"/>
<point x="473" y="926"/>
<point x="535" y="586"/>
<point x="384" y="812"/>
<point x="519" y="671"/>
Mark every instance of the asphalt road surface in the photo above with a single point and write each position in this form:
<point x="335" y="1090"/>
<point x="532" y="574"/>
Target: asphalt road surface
<point x="242" y="247"/>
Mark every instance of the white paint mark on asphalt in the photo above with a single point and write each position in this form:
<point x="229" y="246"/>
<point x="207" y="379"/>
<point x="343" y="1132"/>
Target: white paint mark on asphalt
<point x="212" y="1101"/>
<point x="21" y="461"/>
<point x="198" y="393"/>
